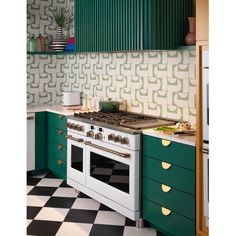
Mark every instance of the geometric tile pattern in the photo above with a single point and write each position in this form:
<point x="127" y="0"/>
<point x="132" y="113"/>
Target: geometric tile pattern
<point x="161" y="83"/>
<point x="54" y="208"/>
<point x="39" y="22"/>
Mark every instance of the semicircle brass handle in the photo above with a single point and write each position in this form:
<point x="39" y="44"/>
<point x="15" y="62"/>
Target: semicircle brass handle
<point x="59" y="162"/>
<point x="166" y="165"/>
<point x="165" y="211"/>
<point x="165" y="188"/>
<point x="59" y="146"/>
<point x="60" y="117"/>
<point x="59" y="131"/>
<point x="165" y="142"/>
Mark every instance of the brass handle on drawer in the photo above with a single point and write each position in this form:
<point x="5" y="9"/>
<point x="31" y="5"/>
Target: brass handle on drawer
<point x="59" y="146"/>
<point x="165" y="188"/>
<point x="165" y="165"/>
<point x="60" y="117"/>
<point x="59" y="131"/>
<point x="165" y="211"/>
<point x="59" y="162"/>
<point x="165" y="142"/>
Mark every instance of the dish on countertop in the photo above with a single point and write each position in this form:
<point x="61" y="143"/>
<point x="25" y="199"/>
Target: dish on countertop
<point x="173" y="130"/>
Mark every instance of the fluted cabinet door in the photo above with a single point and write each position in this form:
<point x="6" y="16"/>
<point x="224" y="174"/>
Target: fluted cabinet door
<point x="118" y="25"/>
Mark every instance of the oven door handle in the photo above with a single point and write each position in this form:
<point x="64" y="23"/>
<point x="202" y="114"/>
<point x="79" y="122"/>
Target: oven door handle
<point x="79" y="140"/>
<point x="124" y="155"/>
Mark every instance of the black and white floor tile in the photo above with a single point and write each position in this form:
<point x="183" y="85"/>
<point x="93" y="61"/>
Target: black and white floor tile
<point x="54" y="208"/>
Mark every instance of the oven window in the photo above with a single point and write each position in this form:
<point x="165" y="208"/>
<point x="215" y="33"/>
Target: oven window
<point x="109" y="171"/>
<point x="77" y="158"/>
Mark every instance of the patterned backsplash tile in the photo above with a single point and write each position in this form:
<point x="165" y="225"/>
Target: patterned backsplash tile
<point x="157" y="82"/>
<point x="152" y="82"/>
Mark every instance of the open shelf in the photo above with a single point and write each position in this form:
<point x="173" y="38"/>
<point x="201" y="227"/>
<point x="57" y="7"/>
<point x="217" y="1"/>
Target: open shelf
<point x="50" y="53"/>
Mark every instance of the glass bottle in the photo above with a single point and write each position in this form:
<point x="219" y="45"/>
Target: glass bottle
<point x="40" y="43"/>
<point x="31" y="43"/>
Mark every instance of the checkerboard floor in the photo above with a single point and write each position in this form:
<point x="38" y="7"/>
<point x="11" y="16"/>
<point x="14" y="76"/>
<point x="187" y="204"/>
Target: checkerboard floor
<point x="55" y="208"/>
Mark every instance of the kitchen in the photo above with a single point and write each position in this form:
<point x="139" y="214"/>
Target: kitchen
<point x="156" y="83"/>
<point x="102" y="159"/>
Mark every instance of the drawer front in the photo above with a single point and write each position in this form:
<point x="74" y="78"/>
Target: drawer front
<point x="176" y="177"/>
<point x="57" y="136"/>
<point x="169" y="197"/>
<point x="57" y="150"/>
<point x="57" y="121"/>
<point x="58" y="166"/>
<point x="176" y="153"/>
<point x="173" y="223"/>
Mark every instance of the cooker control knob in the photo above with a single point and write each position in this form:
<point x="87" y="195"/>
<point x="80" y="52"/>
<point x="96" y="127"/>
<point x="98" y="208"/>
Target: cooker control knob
<point x="69" y="125"/>
<point x="98" y="136"/>
<point x="81" y="128"/>
<point x="118" y="139"/>
<point x="125" y="140"/>
<point x="111" y="137"/>
<point x="73" y="126"/>
<point x="76" y="127"/>
<point x="90" y="134"/>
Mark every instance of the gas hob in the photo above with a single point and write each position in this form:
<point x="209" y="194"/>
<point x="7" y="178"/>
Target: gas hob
<point x="123" y="120"/>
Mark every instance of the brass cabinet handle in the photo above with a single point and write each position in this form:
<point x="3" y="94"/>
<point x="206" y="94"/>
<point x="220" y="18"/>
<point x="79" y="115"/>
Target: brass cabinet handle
<point x="59" y="146"/>
<point x="59" y="162"/>
<point x="59" y="131"/>
<point x="165" y="142"/>
<point x="165" y="211"/>
<point x="165" y="188"/>
<point x="166" y="165"/>
<point x="60" y="117"/>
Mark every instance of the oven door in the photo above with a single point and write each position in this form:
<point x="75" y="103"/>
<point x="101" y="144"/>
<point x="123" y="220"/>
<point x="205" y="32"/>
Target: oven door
<point x="114" y="173"/>
<point x="76" y="157"/>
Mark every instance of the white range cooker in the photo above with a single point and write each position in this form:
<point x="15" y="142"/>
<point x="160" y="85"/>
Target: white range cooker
<point x="104" y="157"/>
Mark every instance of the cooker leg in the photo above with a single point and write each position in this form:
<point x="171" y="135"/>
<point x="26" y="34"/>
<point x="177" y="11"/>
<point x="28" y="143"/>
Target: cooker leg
<point x="139" y="223"/>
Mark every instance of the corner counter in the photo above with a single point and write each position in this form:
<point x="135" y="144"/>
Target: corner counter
<point x="184" y="139"/>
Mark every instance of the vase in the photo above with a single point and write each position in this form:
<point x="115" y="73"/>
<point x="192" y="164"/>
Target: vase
<point x="59" y="43"/>
<point x="190" y="38"/>
<point x="40" y="43"/>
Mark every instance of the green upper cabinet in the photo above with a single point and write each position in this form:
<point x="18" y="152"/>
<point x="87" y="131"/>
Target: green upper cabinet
<point x="118" y="25"/>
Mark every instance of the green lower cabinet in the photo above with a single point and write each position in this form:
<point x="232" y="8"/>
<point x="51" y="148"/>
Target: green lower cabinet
<point x="57" y="121"/>
<point x="57" y="150"/>
<point x="180" y="202"/>
<point x="57" y="135"/>
<point x="57" y="166"/>
<point x="57" y="144"/>
<point x="177" y="177"/>
<point x="167" y="222"/>
<point x="40" y="140"/>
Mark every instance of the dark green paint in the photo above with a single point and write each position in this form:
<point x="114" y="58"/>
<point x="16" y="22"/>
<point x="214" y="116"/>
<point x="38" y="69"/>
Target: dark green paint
<point x="56" y="121"/>
<point x="176" y="177"/>
<point x="180" y="202"/>
<point x="40" y="140"/>
<point x="124" y="25"/>
<point x="176" y="153"/>
<point x="54" y="151"/>
<point x="57" y="135"/>
<point x="58" y="170"/>
<point x="174" y="224"/>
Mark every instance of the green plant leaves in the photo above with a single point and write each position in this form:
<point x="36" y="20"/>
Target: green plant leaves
<point x="61" y="16"/>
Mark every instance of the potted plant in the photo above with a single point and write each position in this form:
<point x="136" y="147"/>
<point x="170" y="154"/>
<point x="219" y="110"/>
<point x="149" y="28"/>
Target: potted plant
<point x="62" y="18"/>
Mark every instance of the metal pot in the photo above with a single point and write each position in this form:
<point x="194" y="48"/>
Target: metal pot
<point x="109" y="106"/>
